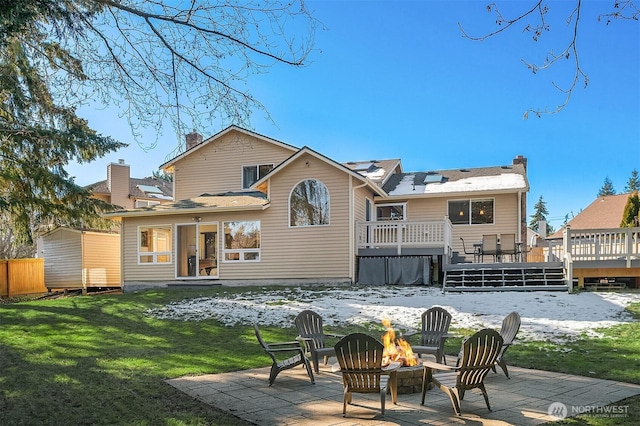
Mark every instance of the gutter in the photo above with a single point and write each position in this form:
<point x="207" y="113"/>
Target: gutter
<point x="147" y="213"/>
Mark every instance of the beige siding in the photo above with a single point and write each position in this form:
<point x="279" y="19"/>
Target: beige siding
<point x="311" y="252"/>
<point x="101" y="260"/>
<point x="286" y="252"/>
<point x="62" y="253"/>
<point x="505" y="218"/>
<point x="217" y="166"/>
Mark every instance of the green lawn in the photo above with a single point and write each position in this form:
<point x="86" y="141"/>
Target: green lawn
<point x="100" y="360"/>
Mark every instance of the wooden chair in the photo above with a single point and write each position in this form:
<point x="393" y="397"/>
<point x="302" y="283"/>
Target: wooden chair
<point x="490" y="246"/>
<point x="360" y="358"/>
<point x="508" y="245"/>
<point x="435" y="330"/>
<point x="508" y="331"/>
<point x="285" y="355"/>
<point x="479" y="354"/>
<point x="312" y="335"/>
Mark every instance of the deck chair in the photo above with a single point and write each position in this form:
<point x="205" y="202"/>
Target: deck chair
<point x="475" y="252"/>
<point x="285" y="355"/>
<point x="508" y="331"/>
<point x="360" y="359"/>
<point x="479" y="354"/>
<point x="490" y="246"/>
<point x="312" y="335"/>
<point x="435" y="329"/>
<point x="508" y="245"/>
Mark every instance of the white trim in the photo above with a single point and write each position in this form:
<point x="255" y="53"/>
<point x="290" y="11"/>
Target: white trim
<point x="241" y="252"/>
<point x="154" y="254"/>
<point x="470" y="212"/>
<point x="404" y="210"/>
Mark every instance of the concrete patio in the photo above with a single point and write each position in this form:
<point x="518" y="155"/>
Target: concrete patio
<point x="525" y="399"/>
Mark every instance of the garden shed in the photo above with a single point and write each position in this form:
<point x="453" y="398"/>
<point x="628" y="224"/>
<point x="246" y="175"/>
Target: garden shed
<point x="80" y="259"/>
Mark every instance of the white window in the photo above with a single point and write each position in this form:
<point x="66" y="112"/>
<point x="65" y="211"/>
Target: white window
<point x="154" y="244"/>
<point x="251" y="174"/>
<point x="471" y="212"/>
<point x="309" y="204"/>
<point x="391" y="211"/>
<point x="241" y="241"/>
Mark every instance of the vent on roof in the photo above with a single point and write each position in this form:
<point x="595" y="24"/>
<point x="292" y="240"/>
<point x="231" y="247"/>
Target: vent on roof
<point x="464" y="170"/>
<point x="506" y="167"/>
<point x="433" y="178"/>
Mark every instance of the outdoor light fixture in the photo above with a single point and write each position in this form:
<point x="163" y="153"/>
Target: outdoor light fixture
<point x="196" y="218"/>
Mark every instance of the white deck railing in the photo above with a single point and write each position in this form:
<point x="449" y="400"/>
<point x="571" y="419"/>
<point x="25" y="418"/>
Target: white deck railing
<point x="399" y="234"/>
<point x="597" y="244"/>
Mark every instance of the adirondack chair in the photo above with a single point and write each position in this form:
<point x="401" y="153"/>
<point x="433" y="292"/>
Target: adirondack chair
<point x="479" y="354"/>
<point x="360" y="358"/>
<point x="312" y="335"/>
<point x="285" y="355"/>
<point x="435" y="330"/>
<point x="508" y="331"/>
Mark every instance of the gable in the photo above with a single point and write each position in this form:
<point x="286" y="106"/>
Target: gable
<point x="216" y="166"/>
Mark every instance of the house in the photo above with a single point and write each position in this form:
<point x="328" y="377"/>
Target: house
<point x="604" y="256"/>
<point x="253" y="210"/>
<point x="90" y="259"/>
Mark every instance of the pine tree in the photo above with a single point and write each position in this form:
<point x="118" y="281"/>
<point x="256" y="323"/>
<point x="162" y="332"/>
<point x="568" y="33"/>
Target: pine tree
<point x="633" y="184"/>
<point x="631" y="211"/>
<point x="607" y="188"/>
<point x="540" y="212"/>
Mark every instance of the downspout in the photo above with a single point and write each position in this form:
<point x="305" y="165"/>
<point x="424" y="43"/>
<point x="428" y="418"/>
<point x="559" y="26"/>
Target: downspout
<point x="352" y="254"/>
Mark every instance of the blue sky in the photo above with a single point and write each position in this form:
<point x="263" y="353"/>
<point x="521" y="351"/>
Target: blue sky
<point x="396" y="79"/>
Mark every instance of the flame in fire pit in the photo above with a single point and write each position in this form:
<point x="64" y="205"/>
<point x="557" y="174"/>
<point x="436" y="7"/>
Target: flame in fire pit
<point x="396" y="349"/>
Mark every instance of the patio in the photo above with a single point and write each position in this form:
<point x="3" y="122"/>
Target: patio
<point x="525" y="399"/>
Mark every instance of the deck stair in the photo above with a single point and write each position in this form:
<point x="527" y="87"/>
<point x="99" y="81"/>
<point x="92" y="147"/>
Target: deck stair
<point x="504" y="277"/>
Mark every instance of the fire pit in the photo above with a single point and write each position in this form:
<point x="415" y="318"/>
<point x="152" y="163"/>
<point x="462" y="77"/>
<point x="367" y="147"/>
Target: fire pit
<point x="411" y="371"/>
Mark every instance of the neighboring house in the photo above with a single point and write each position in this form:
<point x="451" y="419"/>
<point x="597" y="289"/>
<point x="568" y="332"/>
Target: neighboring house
<point x="251" y="209"/>
<point x="86" y="259"/>
<point x="603" y="254"/>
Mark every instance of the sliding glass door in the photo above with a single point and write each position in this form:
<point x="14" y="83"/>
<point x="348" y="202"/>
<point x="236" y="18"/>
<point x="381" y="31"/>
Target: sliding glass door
<point x="197" y="254"/>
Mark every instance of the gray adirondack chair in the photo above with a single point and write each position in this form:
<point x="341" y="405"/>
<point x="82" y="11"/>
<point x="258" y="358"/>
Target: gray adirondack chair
<point x="312" y="335"/>
<point x="479" y="354"/>
<point x="508" y="331"/>
<point x="285" y="355"/>
<point x="434" y="332"/>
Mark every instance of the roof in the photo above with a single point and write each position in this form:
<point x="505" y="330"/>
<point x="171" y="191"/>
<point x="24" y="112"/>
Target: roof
<point x="376" y="170"/>
<point x="307" y="150"/>
<point x="205" y="203"/>
<point x="483" y="179"/>
<point x="148" y="187"/>
<point x="218" y="135"/>
<point x="603" y="213"/>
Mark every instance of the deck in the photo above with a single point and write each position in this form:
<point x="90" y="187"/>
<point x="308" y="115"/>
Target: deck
<point x="581" y="254"/>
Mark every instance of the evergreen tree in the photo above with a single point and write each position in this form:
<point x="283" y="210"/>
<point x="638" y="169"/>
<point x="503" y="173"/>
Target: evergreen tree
<point x="156" y="59"/>
<point x="633" y="184"/>
<point x="607" y="188"/>
<point x="540" y="213"/>
<point x="631" y="211"/>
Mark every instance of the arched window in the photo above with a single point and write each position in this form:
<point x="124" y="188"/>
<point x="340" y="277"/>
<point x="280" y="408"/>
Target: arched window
<point x="309" y="204"/>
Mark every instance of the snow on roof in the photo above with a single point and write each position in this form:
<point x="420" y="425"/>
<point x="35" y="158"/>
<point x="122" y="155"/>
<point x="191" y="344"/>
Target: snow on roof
<point x="407" y="185"/>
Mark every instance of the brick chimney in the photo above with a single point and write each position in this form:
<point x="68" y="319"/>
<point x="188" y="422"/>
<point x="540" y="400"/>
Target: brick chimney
<point x="520" y="159"/>
<point x="194" y="138"/>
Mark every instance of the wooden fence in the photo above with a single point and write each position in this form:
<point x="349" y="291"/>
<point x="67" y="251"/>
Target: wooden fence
<point x="21" y="276"/>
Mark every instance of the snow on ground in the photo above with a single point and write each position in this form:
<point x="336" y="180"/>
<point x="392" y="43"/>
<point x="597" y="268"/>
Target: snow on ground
<point x="553" y="316"/>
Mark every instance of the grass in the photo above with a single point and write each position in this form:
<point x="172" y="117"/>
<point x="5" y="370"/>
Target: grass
<point x="99" y="360"/>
